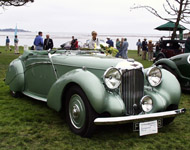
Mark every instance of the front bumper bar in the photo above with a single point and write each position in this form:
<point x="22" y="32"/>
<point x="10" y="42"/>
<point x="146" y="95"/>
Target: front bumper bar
<point x="138" y="118"/>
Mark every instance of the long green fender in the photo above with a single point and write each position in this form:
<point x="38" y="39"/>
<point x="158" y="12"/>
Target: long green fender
<point x="166" y="94"/>
<point x="100" y="99"/>
<point x="15" y="76"/>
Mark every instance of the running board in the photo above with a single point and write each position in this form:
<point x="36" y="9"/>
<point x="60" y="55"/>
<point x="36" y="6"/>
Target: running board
<point x="35" y="97"/>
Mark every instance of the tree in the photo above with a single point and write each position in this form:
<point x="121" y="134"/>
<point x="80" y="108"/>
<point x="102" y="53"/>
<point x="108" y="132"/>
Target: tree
<point x="4" y="3"/>
<point x="177" y="10"/>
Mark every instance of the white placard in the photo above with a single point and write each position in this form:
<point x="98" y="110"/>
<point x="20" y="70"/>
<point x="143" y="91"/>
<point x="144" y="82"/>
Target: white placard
<point x="150" y="127"/>
<point x="25" y="47"/>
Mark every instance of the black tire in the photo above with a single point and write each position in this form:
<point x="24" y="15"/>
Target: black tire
<point x="87" y="128"/>
<point x="167" y="121"/>
<point x="15" y="94"/>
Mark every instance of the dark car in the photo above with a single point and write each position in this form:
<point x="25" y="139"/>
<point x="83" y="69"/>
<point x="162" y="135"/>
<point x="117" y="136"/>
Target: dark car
<point x="169" y="48"/>
<point x="179" y="66"/>
<point x="67" y="45"/>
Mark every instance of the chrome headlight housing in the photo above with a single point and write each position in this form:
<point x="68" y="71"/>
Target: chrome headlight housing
<point x="146" y="104"/>
<point x="112" y="78"/>
<point x="154" y="76"/>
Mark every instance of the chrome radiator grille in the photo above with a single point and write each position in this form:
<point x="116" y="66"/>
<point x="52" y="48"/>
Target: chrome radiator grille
<point x="132" y="90"/>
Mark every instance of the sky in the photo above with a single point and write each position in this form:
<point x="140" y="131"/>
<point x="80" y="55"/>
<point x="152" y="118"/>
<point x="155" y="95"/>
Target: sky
<point x="84" y="16"/>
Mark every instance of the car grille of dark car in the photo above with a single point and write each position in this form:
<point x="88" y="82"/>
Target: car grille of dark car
<point x="132" y="90"/>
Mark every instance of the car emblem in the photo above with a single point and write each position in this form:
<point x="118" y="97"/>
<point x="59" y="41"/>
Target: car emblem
<point x="188" y="59"/>
<point x="134" y="65"/>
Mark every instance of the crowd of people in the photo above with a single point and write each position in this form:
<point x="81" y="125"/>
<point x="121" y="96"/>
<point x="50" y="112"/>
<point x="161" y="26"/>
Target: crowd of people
<point x="94" y="43"/>
<point x="143" y="48"/>
<point x="40" y="44"/>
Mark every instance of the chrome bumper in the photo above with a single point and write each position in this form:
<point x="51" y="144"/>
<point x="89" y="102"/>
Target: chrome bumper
<point x="137" y="118"/>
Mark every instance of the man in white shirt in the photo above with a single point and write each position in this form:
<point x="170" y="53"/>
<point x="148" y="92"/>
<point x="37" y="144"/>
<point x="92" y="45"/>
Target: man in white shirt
<point x="94" y="43"/>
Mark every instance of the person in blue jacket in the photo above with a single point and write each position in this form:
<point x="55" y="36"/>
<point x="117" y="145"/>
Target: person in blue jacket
<point x="39" y="42"/>
<point x="110" y="42"/>
<point x="8" y="44"/>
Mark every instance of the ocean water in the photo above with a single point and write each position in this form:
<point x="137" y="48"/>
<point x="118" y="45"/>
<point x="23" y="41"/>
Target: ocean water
<point x="27" y="38"/>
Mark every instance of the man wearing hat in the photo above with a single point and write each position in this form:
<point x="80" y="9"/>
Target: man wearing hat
<point x="150" y="50"/>
<point x="110" y="42"/>
<point x="144" y="49"/>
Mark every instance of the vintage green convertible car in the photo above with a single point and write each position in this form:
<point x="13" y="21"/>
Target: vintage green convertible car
<point x="94" y="89"/>
<point x="179" y="66"/>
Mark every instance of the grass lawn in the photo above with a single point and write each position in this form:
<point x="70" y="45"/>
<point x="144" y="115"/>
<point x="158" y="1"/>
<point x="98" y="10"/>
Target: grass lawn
<point x="29" y="124"/>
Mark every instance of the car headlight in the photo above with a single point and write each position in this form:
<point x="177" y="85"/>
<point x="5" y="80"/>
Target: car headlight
<point x="112" y="78"/>
<point x="146" y="104"/>
<point x="154" y="76"/>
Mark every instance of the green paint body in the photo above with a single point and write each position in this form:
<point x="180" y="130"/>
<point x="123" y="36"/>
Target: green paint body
<point x="33" y="74"/>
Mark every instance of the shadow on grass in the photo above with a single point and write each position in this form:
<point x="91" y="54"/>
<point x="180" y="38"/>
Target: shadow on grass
<point x="111" y="131"/>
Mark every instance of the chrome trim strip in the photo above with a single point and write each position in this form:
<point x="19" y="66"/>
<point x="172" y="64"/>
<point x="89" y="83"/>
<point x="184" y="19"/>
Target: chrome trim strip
<point x="145" y="117"/>
<point x="35" y="97"/>
<point x="38" y="63"/>
<point x="50" y="58"/>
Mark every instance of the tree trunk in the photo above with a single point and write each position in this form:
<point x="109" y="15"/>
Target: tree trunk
<point x="177" y="21"/>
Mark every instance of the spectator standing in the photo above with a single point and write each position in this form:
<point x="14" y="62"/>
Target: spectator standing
<point x="187" y="45"/>
<point x="38" y="42"/>
<point x="73" y="43"/>
<point x="150" y="50"/>
<point x="94" y="42"/>
<point x="16" y="44"/>
<point x="7" y="44"/>
<point x="158" y="49"/>
<point x="110" y="42"/>
<point x="118" y="46"/>
<point x="139" y="45"/>
<point x="48" y="43"/>
<point x="124" y="47"/>
<point x="144" y="49"/>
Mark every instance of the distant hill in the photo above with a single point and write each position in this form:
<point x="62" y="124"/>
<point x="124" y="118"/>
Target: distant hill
<point x="13" y="30"/>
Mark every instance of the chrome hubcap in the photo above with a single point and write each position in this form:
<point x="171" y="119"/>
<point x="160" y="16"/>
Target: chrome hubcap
<point x="77" y="112"/>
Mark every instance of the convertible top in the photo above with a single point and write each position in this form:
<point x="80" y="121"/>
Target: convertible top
<point x="32" y="52"/>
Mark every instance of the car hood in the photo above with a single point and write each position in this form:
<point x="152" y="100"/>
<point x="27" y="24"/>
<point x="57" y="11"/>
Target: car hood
<point x="95" y="61"/>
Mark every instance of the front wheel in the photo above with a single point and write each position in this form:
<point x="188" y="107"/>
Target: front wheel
<point x="79" y="113"/>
